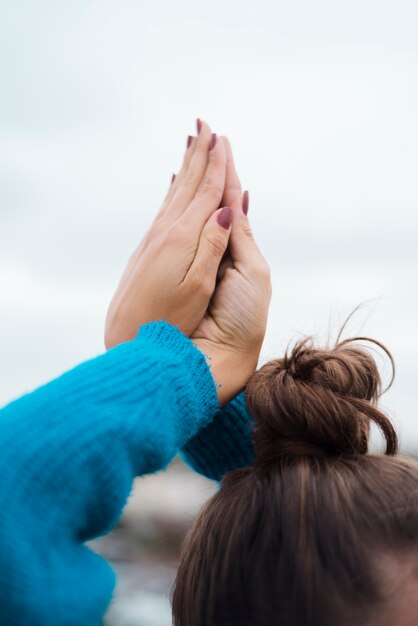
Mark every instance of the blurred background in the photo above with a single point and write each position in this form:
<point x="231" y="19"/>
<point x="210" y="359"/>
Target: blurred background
<point x="319" y="100"/>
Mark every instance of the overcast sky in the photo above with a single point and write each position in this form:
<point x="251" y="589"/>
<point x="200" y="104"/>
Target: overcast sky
<point x="319" y="100"/>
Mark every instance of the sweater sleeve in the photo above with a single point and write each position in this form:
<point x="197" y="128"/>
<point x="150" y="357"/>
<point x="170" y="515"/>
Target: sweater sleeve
<point x="224" y="444"/>
<point x="68" y="454"/>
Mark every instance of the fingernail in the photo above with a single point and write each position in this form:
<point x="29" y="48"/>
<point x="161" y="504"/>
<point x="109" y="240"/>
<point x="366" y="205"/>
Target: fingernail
<point x="213" y="141"/>
<point x="225" y="217"/>
<point x="245" y="202"/>
<point x="189" y="141"/>
<point x="173" y="178"/>
<point x="199" y="125"/>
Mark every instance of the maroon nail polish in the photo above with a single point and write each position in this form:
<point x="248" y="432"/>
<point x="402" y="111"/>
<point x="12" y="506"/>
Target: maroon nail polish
<point x="245" y="202"/>
<point x="173" y="178"/>
<point x="213" y="141"/>
<point x="199" y="125"/>
<point x="189" y="141"/>
<point x="225" y="217"/>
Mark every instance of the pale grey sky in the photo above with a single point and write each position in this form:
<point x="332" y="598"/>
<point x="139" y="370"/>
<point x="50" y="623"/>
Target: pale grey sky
<point x="319" y="100"/>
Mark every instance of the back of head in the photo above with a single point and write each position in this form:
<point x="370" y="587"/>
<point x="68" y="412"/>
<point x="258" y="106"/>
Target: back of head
<point x="318" y="531"/>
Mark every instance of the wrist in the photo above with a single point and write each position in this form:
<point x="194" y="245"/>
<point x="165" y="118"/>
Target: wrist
<point x="230" y="369"/>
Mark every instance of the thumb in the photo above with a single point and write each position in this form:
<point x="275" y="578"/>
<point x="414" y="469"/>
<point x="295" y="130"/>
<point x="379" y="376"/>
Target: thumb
<point x="245" y="253"/>
<point x="213" y="243"/>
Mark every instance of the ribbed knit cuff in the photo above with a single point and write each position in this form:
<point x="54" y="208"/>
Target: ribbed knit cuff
<point x="223" y="445"/>
<point x="196" y="393"/>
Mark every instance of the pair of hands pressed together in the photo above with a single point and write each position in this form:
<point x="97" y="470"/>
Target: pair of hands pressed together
<point x="199" y="268"/>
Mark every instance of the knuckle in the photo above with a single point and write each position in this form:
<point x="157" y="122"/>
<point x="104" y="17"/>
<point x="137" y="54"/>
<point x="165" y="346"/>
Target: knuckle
<point x="267" y="272"/>
<point x="263" y="272"/>
<point x="177" y="234"/>
<point x="156" y="229"/>
<point x="216" y="245"/>
<point x="198" y="283"/>
<point x="191" y="176"/>
<point x="206" y="289"/>
<point x="235" y="190"/>
<point x="211" y="186"/>
<point x="246" y="229"/>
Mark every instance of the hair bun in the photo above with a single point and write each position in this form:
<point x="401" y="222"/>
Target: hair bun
<point x="318" y="402"/>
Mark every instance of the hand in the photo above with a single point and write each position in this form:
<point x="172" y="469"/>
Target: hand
<point x="172" y="274"/>
<point x="232" y="332"/>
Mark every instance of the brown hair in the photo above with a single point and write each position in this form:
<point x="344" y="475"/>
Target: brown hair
<point x="304" y="536"/>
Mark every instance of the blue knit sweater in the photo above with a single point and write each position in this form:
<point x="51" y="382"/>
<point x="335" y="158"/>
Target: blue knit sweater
<point x="69" y="452"/>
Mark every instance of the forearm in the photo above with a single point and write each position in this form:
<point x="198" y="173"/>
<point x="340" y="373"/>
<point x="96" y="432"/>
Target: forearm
<point x="69" y="453"/>
<point x="224" y="444"/>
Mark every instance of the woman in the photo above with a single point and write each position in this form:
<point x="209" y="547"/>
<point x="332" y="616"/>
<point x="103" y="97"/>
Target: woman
<point x="310" y="531"/>
<point x="316" y="532"/>
<point x="69" y="451"/>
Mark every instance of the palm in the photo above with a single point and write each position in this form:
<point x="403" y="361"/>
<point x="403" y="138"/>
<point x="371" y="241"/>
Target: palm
<point x="236" y="310"/>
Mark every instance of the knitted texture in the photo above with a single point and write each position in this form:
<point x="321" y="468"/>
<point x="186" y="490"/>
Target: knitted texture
<point x="225" y="444"/>
<point x="68" y="454"/>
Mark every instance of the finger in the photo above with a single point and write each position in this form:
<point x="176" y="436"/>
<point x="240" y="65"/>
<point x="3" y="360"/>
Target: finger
<point x="170" y="189"/>
<point x="166" y="199"/>
<point x="190" y="177"/>
<point x="232" y="191"/>
<point x="212" y="245"/>
<point x="190" y="146"/>
<point x="243" y="247"/>
<point x="177" y="177"/>
<point x="210" y="191"/>
<point x="195" y="165"/>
